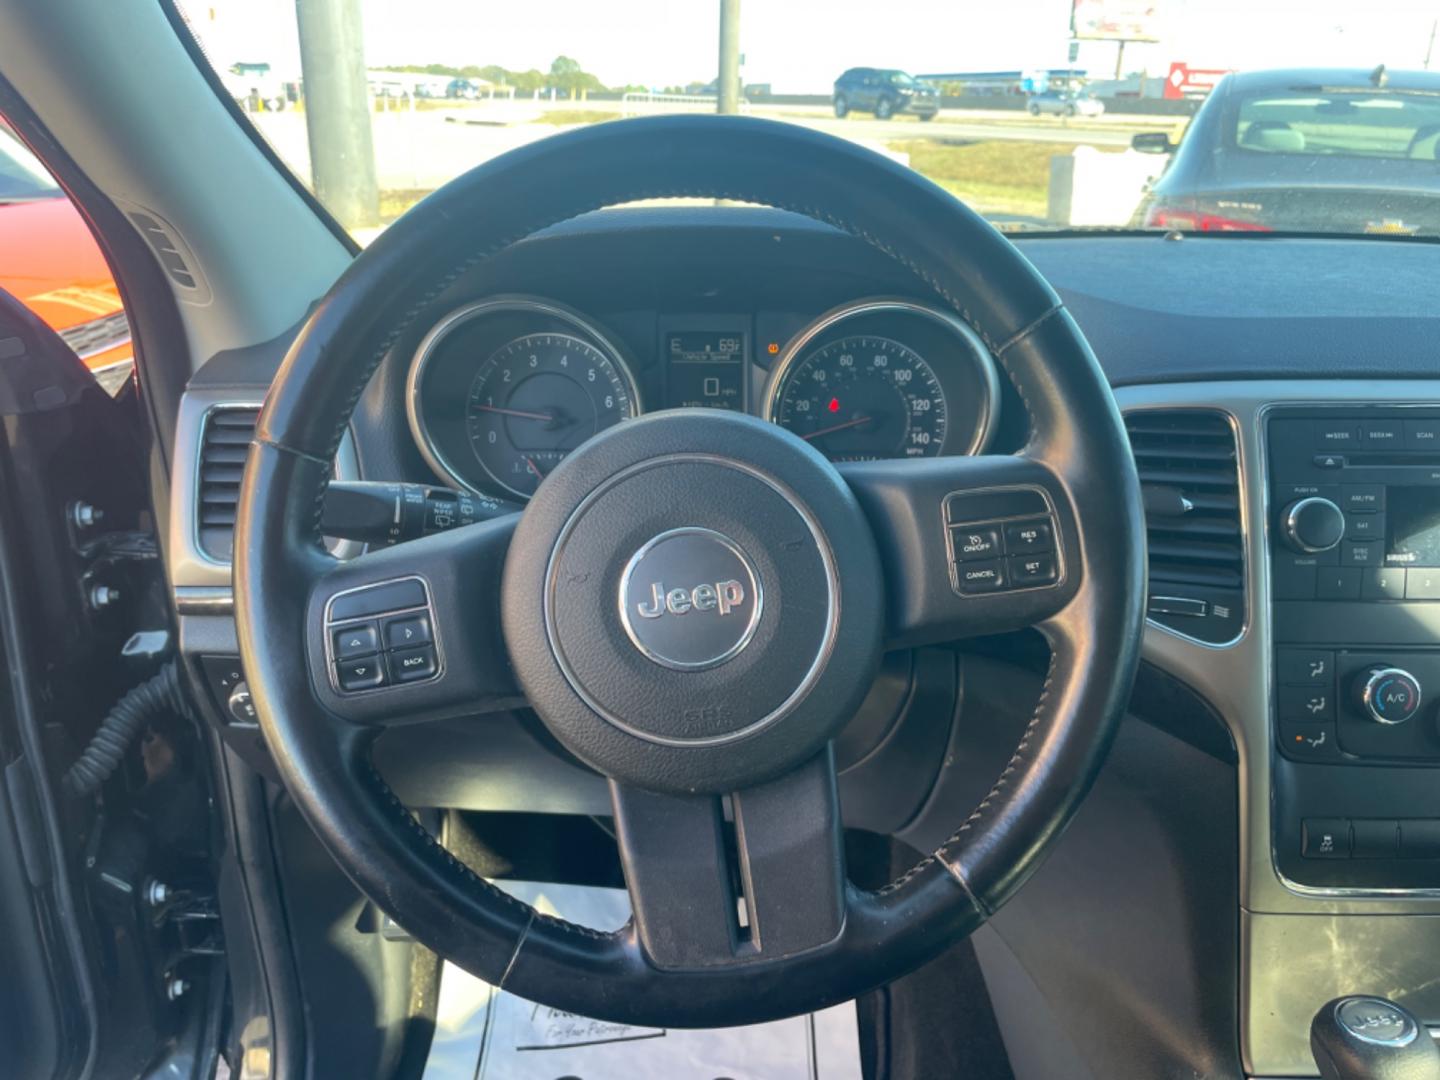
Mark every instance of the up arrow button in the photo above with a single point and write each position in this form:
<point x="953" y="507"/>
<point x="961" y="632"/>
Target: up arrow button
<point x="356" y="639"/>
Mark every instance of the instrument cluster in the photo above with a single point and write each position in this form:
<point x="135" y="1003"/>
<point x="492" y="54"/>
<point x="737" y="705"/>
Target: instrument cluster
<point x="502" y="389"/>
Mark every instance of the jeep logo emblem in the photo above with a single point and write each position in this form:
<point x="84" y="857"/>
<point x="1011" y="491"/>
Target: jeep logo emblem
<point x="690" y="627"/>
<point x="723" y="596"/>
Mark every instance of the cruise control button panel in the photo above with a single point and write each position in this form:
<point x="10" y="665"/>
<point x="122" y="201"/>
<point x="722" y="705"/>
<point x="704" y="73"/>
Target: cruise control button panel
<point x="381" y="635"/>
<point x="1002" y="541"/>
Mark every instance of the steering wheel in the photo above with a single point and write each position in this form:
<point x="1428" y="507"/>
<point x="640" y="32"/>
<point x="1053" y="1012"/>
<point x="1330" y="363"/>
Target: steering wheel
<point x="694" y="603"/>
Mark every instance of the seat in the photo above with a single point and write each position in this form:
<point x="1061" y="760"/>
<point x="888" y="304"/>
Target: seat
<point x="1425" y="143"/>
<point x="1275" y="136"/>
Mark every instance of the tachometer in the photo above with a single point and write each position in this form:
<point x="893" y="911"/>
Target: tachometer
<point x="860" y="398"/>
<point x="500" y="390"/>
<point x="537" y="398"/>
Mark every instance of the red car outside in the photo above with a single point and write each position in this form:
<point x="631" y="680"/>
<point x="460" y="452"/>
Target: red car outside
<point x="49" y="261"/>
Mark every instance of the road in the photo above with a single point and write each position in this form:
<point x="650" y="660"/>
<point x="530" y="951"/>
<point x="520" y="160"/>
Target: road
<point x="422" y="150"/>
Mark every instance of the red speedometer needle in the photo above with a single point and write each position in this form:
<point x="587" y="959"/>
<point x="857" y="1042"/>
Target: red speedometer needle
<point x="516" y="412"/>
<point x="530" y="462"/>
<point x="837" y="427"/>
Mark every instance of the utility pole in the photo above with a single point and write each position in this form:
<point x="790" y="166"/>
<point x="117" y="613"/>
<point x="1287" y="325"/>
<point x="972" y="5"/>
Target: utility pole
<point x="337" y="110"/>
<point x="728" y="97"/>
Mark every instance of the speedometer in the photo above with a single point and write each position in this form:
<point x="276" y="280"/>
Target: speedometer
<point x="864" y="397"/>
<point x="536" y="399"/>
<point x="886" y="377"/>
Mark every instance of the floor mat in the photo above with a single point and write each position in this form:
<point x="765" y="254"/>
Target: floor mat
<point x="485" y="1034"/>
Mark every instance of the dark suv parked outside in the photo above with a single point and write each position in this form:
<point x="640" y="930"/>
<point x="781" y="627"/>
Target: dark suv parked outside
<point x="885" y="92"/>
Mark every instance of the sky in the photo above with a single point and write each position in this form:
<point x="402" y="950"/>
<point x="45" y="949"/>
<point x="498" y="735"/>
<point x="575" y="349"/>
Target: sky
<point x="799" y="46"/>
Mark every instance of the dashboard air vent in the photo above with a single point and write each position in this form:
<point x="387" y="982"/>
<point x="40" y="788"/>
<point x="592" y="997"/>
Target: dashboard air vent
<point x="1191" y="485"/>
<point x="224" y="444"/>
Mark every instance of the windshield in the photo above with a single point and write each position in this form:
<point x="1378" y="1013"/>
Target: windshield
<point x="1043" y="115"/>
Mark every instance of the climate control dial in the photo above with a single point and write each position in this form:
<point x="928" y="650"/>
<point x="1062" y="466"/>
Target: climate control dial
<point x="1313" y="525"/>
<point x="1388" y="695"/>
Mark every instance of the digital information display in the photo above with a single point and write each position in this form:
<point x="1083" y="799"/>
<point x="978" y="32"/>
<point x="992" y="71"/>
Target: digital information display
<point x="1412" y="535"/>
<point x="706" y="368"/>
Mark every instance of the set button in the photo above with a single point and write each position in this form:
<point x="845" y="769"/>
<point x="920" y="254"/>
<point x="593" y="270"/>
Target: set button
<point x="1030" y="570"/>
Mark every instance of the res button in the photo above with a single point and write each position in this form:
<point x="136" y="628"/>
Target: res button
<point x="1028" y="537"/>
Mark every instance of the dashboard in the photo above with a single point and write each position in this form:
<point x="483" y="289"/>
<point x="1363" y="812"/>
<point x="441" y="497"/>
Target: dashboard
<point x="619" y="314"/>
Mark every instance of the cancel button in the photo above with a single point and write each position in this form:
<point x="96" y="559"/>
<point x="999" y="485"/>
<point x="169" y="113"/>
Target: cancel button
<point x="981" y="577"/>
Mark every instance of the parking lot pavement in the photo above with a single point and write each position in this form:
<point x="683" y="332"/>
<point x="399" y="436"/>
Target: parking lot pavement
<point x="419" y="150"/>
<point x="422" y="150"/>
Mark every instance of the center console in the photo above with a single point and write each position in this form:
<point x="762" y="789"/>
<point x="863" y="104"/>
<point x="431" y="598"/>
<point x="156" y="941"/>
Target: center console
<point x="1354" y="550"/>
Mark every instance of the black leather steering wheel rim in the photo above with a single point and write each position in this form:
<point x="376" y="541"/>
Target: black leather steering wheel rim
<point x="1078" y="452"/>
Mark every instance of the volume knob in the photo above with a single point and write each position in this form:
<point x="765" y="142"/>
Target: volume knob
<point x="1313" y="525"/>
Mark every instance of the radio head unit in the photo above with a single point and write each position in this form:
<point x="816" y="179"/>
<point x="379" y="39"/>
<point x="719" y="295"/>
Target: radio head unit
<point x="1353" y="537"/>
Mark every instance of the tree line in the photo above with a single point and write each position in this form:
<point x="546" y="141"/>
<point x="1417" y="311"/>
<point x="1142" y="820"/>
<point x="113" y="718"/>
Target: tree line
<point x="565" y="75"/>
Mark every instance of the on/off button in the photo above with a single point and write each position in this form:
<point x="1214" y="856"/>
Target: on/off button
<point x="973" y="543"/>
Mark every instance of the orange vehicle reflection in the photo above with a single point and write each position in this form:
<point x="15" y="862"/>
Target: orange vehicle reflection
<point x="50" y="262"/>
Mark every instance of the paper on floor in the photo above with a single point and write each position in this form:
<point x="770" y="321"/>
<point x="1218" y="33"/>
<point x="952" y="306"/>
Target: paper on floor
<point x="482" y="1034"/>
